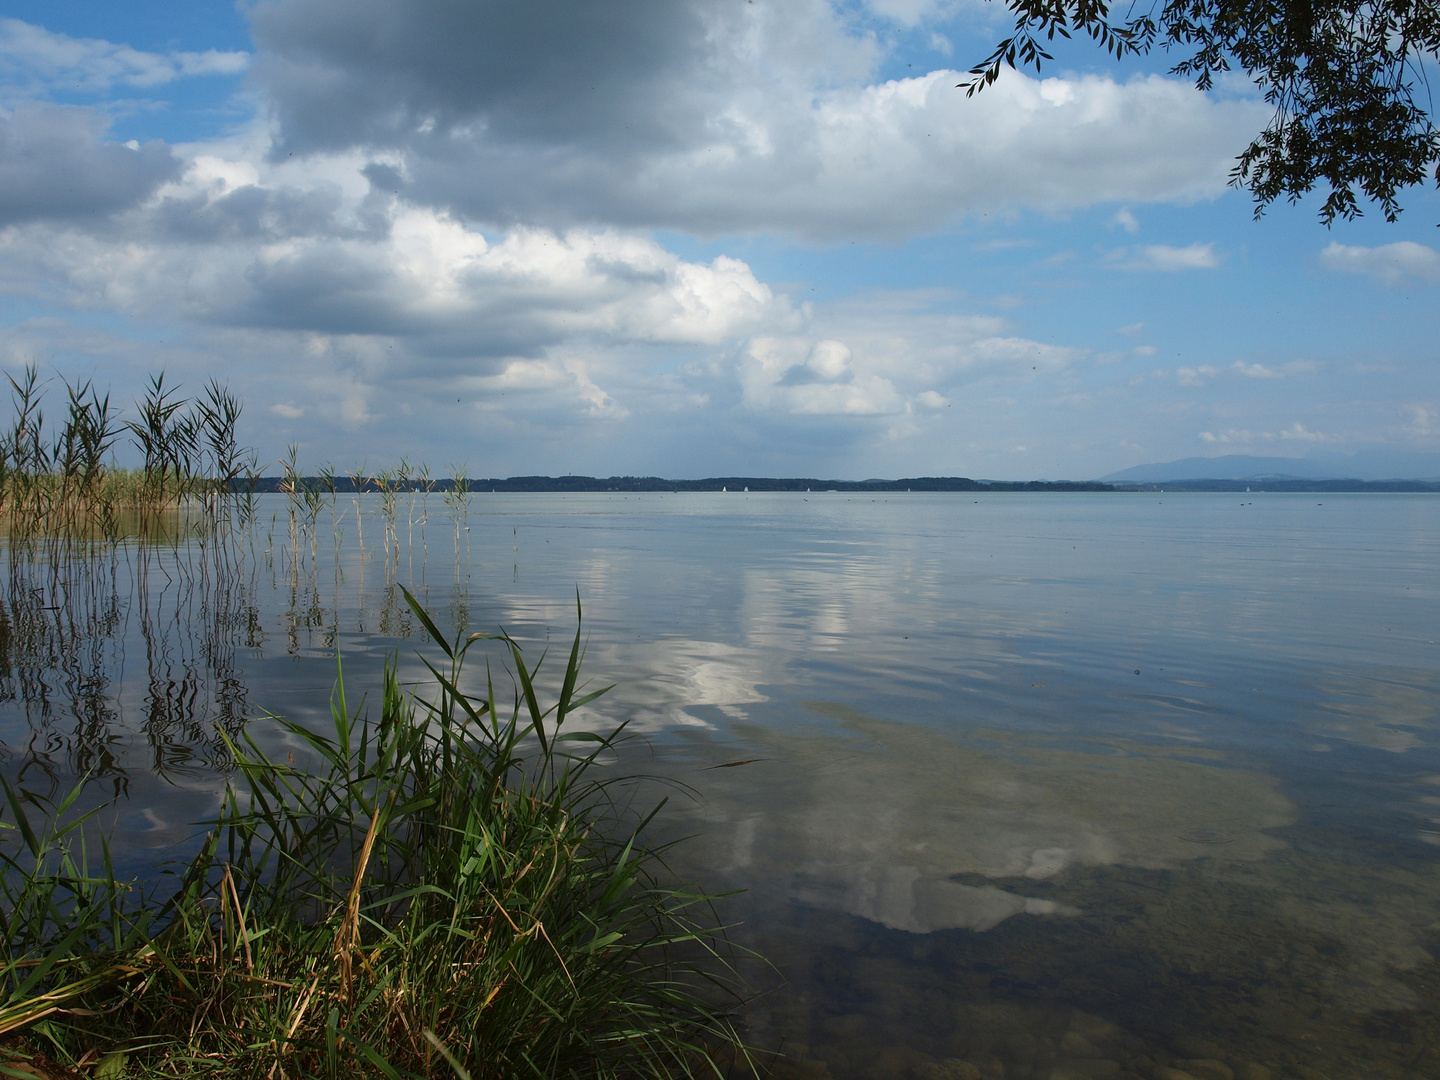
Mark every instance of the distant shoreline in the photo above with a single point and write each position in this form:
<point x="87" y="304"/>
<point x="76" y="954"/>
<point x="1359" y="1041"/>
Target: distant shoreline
<point x="644" y="484"/>
<point x="580" y="484"/>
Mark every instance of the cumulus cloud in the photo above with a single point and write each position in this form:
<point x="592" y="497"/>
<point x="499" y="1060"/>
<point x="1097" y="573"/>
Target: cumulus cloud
<point x="383" y="303"/>
<point x="372" y="295"/>
<point x="33" y="57"/>
<point x="1391" y="264"/>
<point x="886" y="356"/>
<point x="711" y="118"/>
<point x="56" y="164"/>
<point x="446" y="289"/>
<point x="883" y="160"/>
<point x="444" y="211"/>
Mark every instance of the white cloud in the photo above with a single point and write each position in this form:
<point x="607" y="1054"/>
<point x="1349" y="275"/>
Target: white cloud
<point x="303" y="258"/>
<point x="1005" y="243"/>
<point x="1257" y="371"/>
<point x="1124" y="219"/>
<point x="1261" y="371"/>
<point x="387" y="310"/>
<point x="882" y="160"/>
<point x="36" y="59"/>
<point x="422" y="221"/>
<point x="885" y="356"/>
<point x="1423" y="420"/>
<point x="1163" y="257"/>
<point x="718" y="119"/>
<point x="1391" y="264"/>
<point x="1297" y="432"/>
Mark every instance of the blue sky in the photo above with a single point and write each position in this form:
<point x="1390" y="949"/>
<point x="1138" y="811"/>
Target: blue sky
<point x="686" y="238"/>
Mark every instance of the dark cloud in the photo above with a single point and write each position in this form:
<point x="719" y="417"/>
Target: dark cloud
<point x="253" y="212"/>
<point x="320" y="290"/>
<point x="376" y="72"/>
<point x="55" y="165"/>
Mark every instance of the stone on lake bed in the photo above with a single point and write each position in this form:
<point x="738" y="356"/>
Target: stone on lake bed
<point x="947" y="1069"/>
<point x="1088" y="1069"/>
<point x="1076" y="1045"/>
<point x="1197" y="1048"/>
<point x="1208" y="1069"/>
<point x="1095" y="1029"/>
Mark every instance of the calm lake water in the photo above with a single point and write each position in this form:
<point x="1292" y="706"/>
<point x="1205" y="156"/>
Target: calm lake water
<point x="1038" y="786"/>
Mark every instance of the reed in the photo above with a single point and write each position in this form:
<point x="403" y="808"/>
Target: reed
<point x="457" y="501"/>
<point x="65" y="485"/>
<point x="452" y="889"/>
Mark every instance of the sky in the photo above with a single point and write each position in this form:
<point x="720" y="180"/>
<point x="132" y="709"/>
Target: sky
<point x="685" y="238"/>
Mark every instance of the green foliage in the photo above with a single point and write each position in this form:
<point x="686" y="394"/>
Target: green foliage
<point x="1341" y="74"/>
<point x="452" y="889"/>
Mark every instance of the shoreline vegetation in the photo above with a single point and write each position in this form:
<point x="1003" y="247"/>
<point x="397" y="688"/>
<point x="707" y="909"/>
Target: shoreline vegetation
<point x="454" y="889"/>
<point x="64" y="485"/>
<point x="459" y="888"/>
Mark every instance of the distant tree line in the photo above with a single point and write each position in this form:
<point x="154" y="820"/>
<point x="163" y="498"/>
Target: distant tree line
<point x="657" y="483"/>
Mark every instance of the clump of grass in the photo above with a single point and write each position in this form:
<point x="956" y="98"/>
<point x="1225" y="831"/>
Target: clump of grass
<point x="452" y="889"/>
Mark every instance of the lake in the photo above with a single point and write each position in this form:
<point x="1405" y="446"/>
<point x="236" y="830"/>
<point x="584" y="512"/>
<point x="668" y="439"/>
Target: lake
<point x="1016" y="785"/>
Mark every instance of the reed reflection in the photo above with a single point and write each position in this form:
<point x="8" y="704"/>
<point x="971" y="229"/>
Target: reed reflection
<point x="139" y="652"/>
<point x="75" y="619"/>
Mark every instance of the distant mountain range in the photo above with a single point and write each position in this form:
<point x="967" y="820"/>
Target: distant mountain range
<point x="1370" y="466"/>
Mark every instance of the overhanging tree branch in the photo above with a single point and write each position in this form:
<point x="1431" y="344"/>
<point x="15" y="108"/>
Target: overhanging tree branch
<point x="1346" y="78"/>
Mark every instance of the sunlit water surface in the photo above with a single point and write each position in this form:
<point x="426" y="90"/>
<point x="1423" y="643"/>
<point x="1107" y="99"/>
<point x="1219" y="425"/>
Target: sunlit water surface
<point x="1042" y="786"/>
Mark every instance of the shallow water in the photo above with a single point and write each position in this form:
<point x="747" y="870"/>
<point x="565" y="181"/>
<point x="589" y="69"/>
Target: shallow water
<point x="1043" y="785"/>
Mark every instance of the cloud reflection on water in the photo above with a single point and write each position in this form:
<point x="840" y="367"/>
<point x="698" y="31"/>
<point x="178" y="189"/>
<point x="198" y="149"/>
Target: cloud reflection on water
<point x="919" y="831"/>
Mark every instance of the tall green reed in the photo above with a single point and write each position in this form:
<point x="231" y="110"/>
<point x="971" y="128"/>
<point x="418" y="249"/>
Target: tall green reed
<point x="67" y="487"/>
